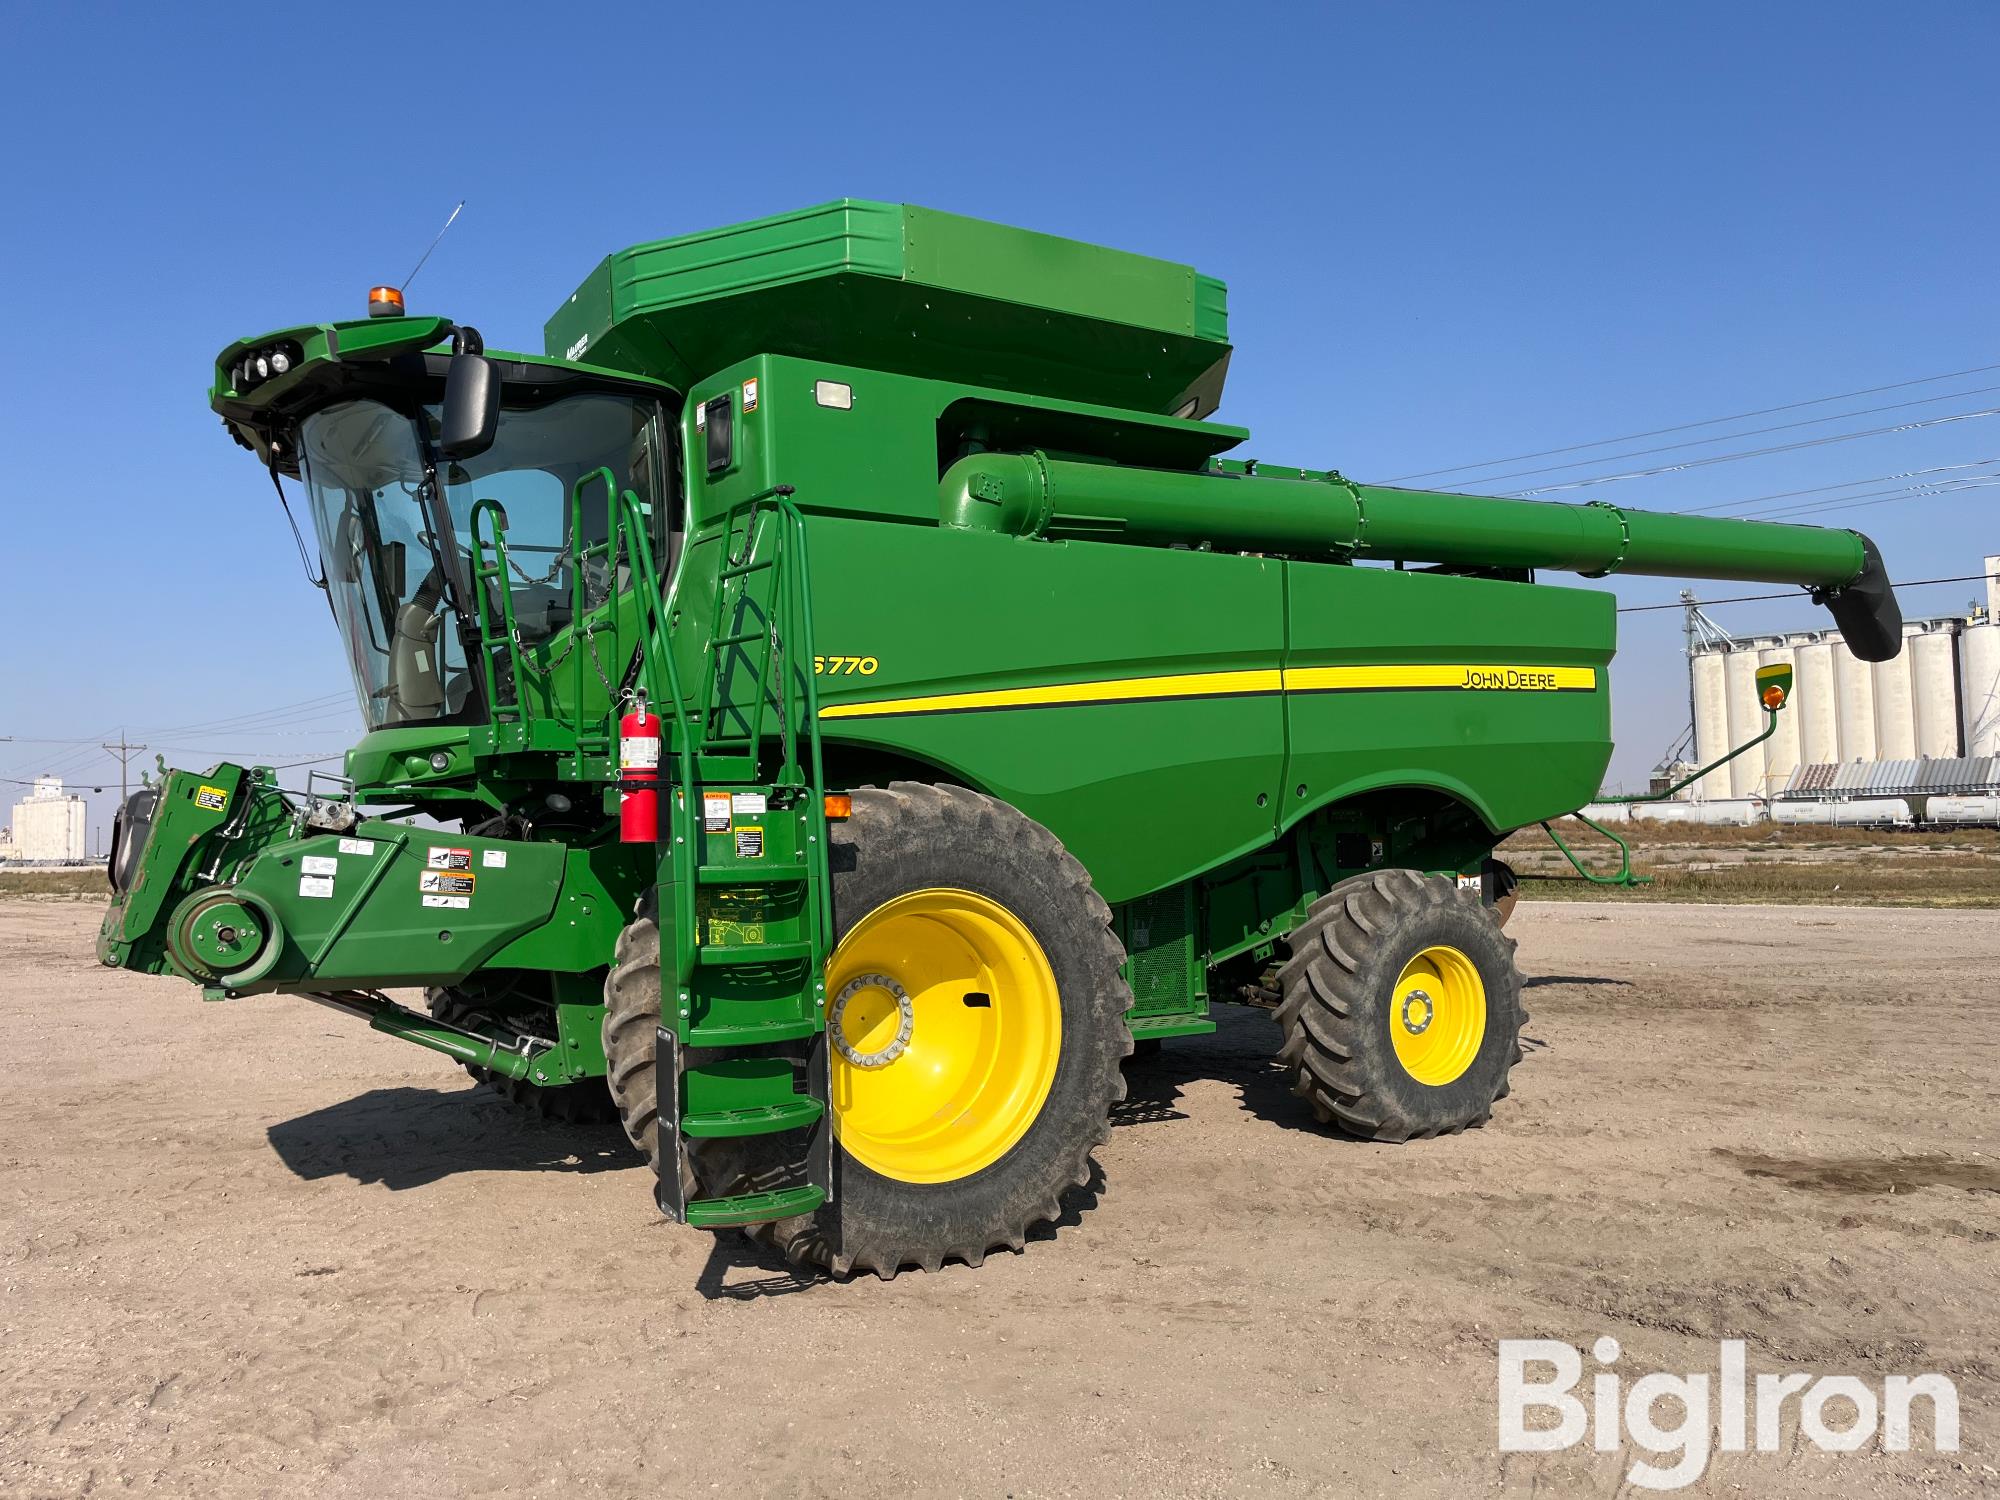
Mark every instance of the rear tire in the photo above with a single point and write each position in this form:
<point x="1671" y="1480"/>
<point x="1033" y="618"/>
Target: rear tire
<point x="1401" y="1009"/>
<point x="919" y="842"/>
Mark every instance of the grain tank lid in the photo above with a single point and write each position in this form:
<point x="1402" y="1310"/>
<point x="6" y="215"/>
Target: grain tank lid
<point x="895" y="287"/>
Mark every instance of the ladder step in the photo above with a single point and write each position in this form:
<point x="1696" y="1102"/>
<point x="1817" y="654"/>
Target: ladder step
<point x="776" y="874"/>
<point x="753" y="1208"/>
<point x="729" y="955"/>
<point x="757" y="1120"/>
<point x="755" y="1035"/>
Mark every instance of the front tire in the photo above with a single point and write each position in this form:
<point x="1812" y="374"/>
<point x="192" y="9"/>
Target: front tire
<point x="970" y="920"/>
<point x="1401" y="1007"/>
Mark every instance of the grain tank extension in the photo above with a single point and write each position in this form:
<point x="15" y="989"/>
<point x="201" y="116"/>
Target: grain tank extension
<point x="835" y="701"/>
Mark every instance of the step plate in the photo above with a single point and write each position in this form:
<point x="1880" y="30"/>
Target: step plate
<point x="753" y="1208"/>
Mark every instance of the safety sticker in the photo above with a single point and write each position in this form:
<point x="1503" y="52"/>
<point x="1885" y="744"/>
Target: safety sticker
<point x="715" y="812"/>
<point x="750" y="395"/>
<point x="439" y="883"/>
<point x="750" y="843"/>
<point x="441" y="858"/>
<point x="493" y="859"/>
<point x="724" y="930"/>
<point x="320" y="864"/>
<point x="357" y="846"/>
<point x="1471" y="882"/>
<point x="316" y="885"/>
<point x="748" y="804"/>
<point x="212" y="798"/>
<point x="457" y="903"/>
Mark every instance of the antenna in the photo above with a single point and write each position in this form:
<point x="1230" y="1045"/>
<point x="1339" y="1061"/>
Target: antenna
<point x="432" y="246"/>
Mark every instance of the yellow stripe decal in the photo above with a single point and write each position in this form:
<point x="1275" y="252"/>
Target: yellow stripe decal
<point x="1071" y="694"/>
<point x="1501" y="677"/>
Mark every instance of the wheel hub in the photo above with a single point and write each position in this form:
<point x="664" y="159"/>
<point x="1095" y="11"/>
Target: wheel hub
<point x="945" y="1025"/>
<point x="1418" y="1009"/>
<point x="1439" y="1015"/>
<point x="869" y="1021"/>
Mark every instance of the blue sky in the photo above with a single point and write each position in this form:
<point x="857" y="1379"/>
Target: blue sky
<point x="1450" y="232"/>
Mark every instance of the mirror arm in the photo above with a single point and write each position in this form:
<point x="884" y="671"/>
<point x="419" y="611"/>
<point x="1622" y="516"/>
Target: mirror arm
<point x="466" y="340"/>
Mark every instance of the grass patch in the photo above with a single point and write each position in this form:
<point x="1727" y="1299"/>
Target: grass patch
<point x="1783" y="865"/>
<point x="55" y="885"/>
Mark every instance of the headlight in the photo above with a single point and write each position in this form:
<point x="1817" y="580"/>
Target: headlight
<point x="262" y="364"/>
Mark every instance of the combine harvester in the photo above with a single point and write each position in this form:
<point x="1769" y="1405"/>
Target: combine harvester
<point x="860" y="702"/>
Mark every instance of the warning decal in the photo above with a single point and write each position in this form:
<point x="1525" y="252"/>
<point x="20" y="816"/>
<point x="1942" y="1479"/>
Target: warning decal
<point x="750" y="843"/>
<point x="715" y="812"/>
<point x="439" y="883"/>
<point x="211" y="798"/>
<point x="441" y="858"/>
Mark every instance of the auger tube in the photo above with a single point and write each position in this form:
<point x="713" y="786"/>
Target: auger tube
<point x="1031" y="494"/>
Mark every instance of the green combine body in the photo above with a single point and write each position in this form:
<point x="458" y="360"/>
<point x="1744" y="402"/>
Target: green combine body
<point x="1004" y="721"/>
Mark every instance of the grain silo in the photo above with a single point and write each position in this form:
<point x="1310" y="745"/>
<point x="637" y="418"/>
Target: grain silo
<point x="1781" y="750"/>
<point x="1979" y="656"/>
<point x="1813" y="702"/>
<point x="1746" y="720"/>
<point x="1895" y="704"/>
<point x="1854" y="704"/>
<point x="1711" y="723"/>
<point x="1934" y="689"/>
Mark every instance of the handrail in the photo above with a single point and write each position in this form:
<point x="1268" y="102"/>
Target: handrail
<point x="1625" y="877"/>
<point x="482" y="572"/>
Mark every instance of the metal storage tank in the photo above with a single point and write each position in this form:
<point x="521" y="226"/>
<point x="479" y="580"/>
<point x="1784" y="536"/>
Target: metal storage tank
<point x="1781" y="750"/>
<point x="1895" y="706"/>
<point x="1963" y="809"/>
<point x="1874" y="812"/>
<point x="1667" y="812"/>
<point x="1731" y="812"/>
<point x="1979" y="656"/>
<point x="1854" y="693"/>
<point x="1934" y="678"/>
<point x="1711" y="722"/>
<point x="1746" y="721"/>
<point x="1813" y="705"/>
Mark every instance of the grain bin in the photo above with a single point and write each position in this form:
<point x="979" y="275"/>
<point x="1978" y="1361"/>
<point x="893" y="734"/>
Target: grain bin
<point x="1934" y="679"/>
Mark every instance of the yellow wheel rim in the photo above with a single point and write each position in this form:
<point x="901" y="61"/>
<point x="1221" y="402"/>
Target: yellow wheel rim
<point x="945" y="1026"/>
<point x="1437" y="1015"/>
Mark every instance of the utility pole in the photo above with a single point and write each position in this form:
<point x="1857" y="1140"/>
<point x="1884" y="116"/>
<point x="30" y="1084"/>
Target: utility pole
<point x="124" y="752"/>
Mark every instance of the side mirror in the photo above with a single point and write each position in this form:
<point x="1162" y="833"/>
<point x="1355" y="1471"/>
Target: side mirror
<point x="471" y="407"/>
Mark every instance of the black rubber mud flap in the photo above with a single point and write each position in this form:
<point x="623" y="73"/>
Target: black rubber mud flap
<point x="669" y="1185"/>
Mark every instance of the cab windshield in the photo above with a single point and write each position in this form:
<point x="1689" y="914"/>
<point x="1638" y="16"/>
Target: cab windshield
<point x="396" y="557"/>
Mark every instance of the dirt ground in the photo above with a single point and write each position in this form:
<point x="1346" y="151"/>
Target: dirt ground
<point x="254" y="1249"/>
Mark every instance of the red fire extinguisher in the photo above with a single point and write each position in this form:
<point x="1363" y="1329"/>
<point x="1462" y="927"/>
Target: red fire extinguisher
<point x="639" y="775"/>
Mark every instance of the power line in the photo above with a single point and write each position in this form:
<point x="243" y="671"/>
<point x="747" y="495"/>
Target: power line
<point x="326" y="704"/>
<point x="1724" y="437"/>
<point x="1742" y="416"/>
<point x="124" y="751"/>
<point x="1915" y="583"/>
<point x="1849" y="484"/>
<point x="1723" y="458"/>
<point x="1869" y="498"/>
